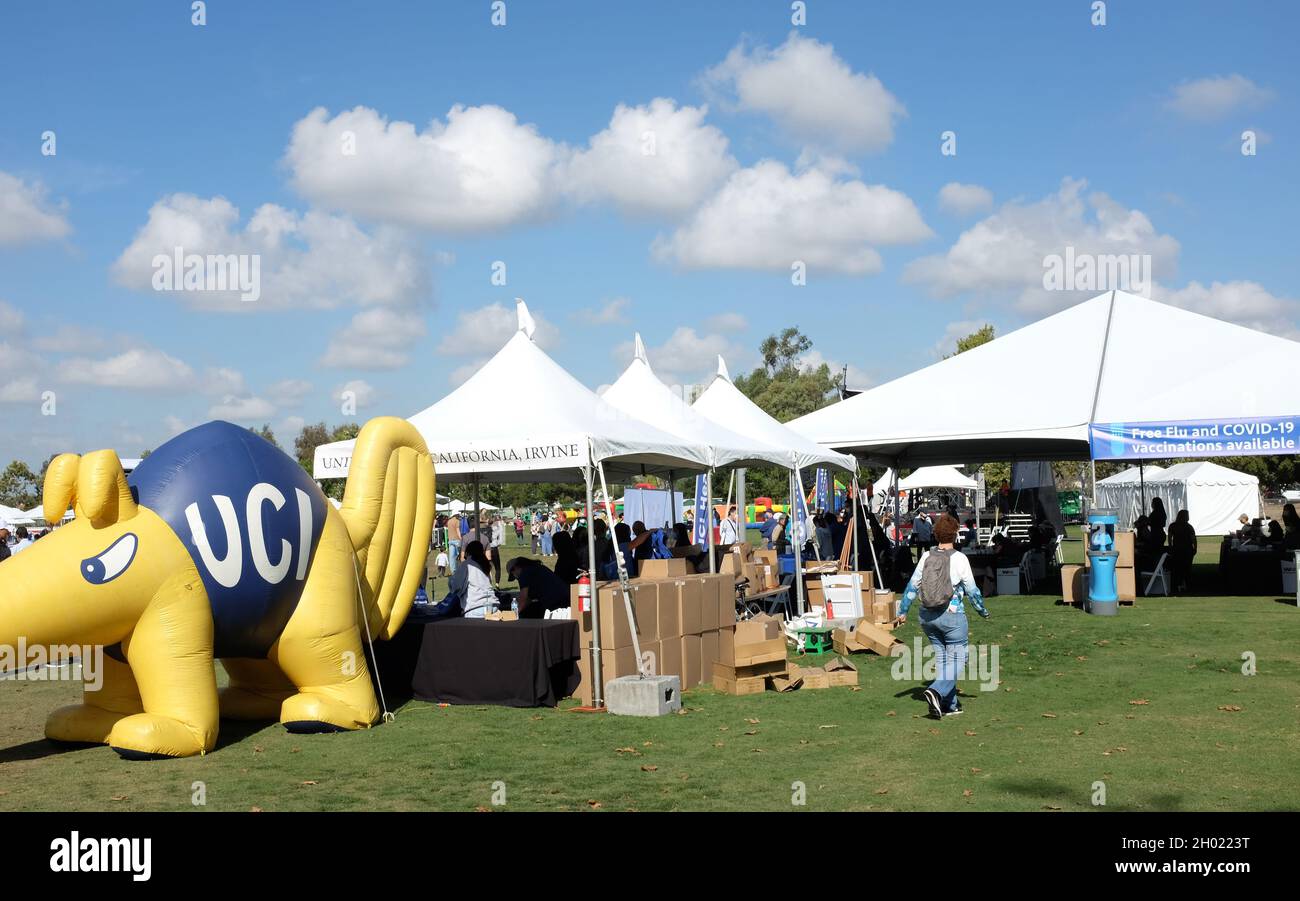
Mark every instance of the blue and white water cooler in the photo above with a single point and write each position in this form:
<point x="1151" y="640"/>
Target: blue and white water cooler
<point x="1103" y="594"/>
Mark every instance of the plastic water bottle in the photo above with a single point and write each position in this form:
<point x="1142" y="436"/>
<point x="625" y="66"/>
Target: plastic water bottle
<point x="514" y="605"/>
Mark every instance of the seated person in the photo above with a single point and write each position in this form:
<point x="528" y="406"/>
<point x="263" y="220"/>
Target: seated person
<point x="604" y="552"/>
<point x="540" y="590"/>
<point x="640" y="543"/>
<point x="469" y="592"/>
<point x="623" y="541"/>
<point x="1009" y="550"/>
<point x="970" y="535"/>
<point x="1275" y="535"/>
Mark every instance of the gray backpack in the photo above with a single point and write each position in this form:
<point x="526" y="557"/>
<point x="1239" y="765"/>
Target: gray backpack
<point x="935" y="587"/>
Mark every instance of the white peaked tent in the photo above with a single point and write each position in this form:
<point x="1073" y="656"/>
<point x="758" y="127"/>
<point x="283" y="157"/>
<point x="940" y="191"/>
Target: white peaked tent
<point x="461" y="506"/>
<point x="723" y="402"/>
<point x="1117" y="358"/>
<point x="639" y="392"/>
<point x="561" y="428"/>
<point x="1213" y="495"/>
<point x="938" y="477"/>
<point x="1134" y="475"/>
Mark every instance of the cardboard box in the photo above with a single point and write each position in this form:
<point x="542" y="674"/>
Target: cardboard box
<point x="690" y="605"/>
<point x="754" y="686"/>
<point x="874" y="638"/>
<point x="1074" y="589"/>
<point x="709" y="648"/>
<point x="724" y="592"/>
<point x="775" y="667"/>
<point x="758" y="640"/>
<point x="816" y="597"/>
<point x="615" y="629"/>
<point x="692" y="661"/>
<point x="841" y="672"/>
<point x="884" y="607"/>
<point x="1125" y="543"/>
<point x="708" y="603"/>
<point x="668" y="607"/>
<point x="670" y="657"/>
<point x="1126" y="583"/>
<point x="662" y="569"/>
<point x="814" y="677"/>
<point x="502" y="616"/>
<point x="766" y="555"/>
<point x="790" y="680"/>
<point x="583" y="691"/>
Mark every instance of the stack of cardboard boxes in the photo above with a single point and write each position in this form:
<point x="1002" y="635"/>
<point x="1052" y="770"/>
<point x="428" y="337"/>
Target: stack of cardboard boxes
<point x="866" y="636"/>
<point x="760" y="567"/>
<point x="1074" y="579"/>
<point x="679" y="621"/>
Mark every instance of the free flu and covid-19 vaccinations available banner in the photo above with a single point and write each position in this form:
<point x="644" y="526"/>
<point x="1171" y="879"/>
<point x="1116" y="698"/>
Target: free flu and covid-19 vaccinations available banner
<point x="1254" y="436"/>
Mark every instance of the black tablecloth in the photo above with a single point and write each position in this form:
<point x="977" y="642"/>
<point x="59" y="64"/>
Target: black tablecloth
<point x="1251" y="572"/>
<point x="528" y="663"/>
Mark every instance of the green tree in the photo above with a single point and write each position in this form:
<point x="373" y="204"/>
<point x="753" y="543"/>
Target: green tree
<point x="983" y="335"/>
<point x="785" y="387"/>
<point x="265" y="432"/>
<point x="311" y="437"/>
<point x="19" y="486"/>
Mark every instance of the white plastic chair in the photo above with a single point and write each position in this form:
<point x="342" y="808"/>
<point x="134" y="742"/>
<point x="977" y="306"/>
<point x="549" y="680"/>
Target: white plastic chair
<point x="1159" y="573"/>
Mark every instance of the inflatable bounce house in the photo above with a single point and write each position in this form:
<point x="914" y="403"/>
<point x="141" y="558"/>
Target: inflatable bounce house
<point x="219" y="545"/>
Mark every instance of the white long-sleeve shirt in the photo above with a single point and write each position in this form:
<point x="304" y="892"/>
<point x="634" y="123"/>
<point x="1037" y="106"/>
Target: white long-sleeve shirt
<point x="480" y="599"/>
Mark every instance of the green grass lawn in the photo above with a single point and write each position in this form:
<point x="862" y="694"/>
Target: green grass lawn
<point x="1152" y="702"/>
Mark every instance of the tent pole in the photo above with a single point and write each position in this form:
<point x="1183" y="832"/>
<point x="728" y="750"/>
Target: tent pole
<point x="740" y="505"/>
<point x="672" y="500"/>
<point x="478" y="522"/>
<point x="641" y="668"/>
<point x="857" y="567"/>
<point x="708" y="514"/>
<point x="1142" y="480"/>
<point x="797" y="482"/>
<point x="597" y="683"/>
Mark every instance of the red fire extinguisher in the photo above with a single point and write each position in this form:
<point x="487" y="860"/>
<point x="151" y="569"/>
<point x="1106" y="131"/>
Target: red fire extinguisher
<point x="584" y="593"/>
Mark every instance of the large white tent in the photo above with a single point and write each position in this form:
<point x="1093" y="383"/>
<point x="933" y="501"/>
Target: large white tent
<point x="559" y="427"/>
<point x="1115" y="359"/>
<point x="459" y="506"/>
<point x="938" y="477"/>
<point x="1213" y="495"/>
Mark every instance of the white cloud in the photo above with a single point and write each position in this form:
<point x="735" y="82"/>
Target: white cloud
<point x="480" y="169"/>
<point x="1004" y="253"/>
<point x="224" y="381"/>
<point x="362" y="392"/>
<point x="144" y="369"/>
<point x="947" y="345"/>
<point x="11" y="319"/>
<point x="288" y="392"/>
<point x="19" y="391"/>
<point x="608" y="312"/>
<point x="174" y="425"/>
<point x="375" y="339"/>
<point x="656" y="159"/>
<point x="1208" y="99"/>
<point x="484" y="331"/>
<point x="70" y="339"/>
<point x="811" y="93"/>
<point x="1243" y="302"/>
<point x="289" y="428"/>
<point x="726" y="322"/>
<point x="242" y="409"/>
<point x="26" y="215"/>
<point x="304" y="260"/>
<point x="964" y="200"/>
<point x="767" y="217"/>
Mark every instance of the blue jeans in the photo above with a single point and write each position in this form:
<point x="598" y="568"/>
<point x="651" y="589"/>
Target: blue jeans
<point x="453" y="554"/>
<point x="948" y="633"/>
<point x="547" y="546"/>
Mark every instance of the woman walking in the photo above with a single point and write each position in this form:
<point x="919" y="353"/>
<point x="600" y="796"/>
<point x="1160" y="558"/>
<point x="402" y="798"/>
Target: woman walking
<point x="941" y="580"/>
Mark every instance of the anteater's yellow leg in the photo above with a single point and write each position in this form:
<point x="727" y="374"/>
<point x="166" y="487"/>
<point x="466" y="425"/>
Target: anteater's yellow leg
<point x="320" y="648"/>
<point x="257" y="689"/>
<point x="170" y="653"/>
<point x="94" y="718"/>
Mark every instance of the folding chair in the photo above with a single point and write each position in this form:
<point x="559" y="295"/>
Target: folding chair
<point x="1158" y="573"/>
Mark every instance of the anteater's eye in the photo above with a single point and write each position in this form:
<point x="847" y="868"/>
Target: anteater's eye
<point x="111" y="563"/>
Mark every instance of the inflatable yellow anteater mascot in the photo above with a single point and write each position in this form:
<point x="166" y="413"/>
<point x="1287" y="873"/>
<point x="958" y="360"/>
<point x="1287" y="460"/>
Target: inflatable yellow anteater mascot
<point x="220" y="546"/>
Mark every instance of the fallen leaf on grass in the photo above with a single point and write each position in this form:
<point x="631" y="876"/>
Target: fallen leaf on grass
<point x="934" y="731"/>
<point x="969" y="732"/>
<point x="1078" y="731"/>
<point x="753" y="721"/>
<point x="967" y="793"/>
<point x="119" y="798"/>
<point x="1230" y="708"/>
<point x="1050" y="716"/>
<point x="752" y="732"/>
<point x="1140" y="702"/>
<point x="892" y="713"/>
<point x="757" y="750"/>
<point x="309" y="782"/>
<point x="882" y="791"/>
<point x="295" y="750"/>
<point x="646" y="744"/>
<point x="633" y="751"/>
<point x="593" y="804"/>
<point x="723" y="728"/>
<point x="1102" y="643"/>
<point x="481" y="809"/>
<point x="976" y="769"/>
<point x="254" y="810"/>
<point x="1081" y="657"/>
<point x="1051" y="807"/>
<point x="855" y="688"/>
<point x="257" y="749"/>
<point x="830" y="726"/>
<point x="717" y="744"/>
<point x="649" y="768"/>
<point x="803" y="741"/>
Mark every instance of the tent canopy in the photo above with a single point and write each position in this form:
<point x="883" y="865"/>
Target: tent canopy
<point x="459" y="506"/>
<point x="640" y="393"/>
<point x="1213" y="496"/>
<point x="1134" y="474"/>
<point x="723" y="403"/>
<point x="559" y="427"/>
<point x="1115" y="359"/>
<point x="938" y="477"/>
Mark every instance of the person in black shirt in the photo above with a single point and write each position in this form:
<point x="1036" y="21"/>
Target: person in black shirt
<point x="540" y="589"/>
<point x="566" y="558"/>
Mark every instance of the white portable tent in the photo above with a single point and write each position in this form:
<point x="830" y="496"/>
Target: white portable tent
<point x="724" y="403"/>
<point x="459" y="506"/>
<point x="1123" y="492"/>
<point x="1213" y="495"/>
<point x="639" y="392"/>
<point x="562" y="428"/>
<point x="1117" y="358"/>
<point x="938" y="477"/>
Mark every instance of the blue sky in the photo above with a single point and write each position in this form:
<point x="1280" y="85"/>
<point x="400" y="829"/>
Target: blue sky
<point x="773" y="143"/>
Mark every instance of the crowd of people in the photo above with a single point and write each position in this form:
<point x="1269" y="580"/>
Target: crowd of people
<point x="21" y="540"/>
